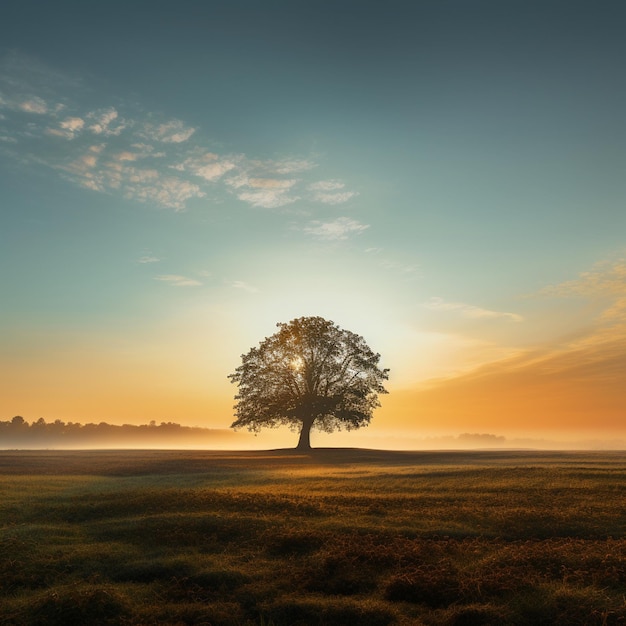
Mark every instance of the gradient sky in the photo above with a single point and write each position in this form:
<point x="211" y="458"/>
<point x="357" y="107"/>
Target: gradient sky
<point x="445" y="178"/>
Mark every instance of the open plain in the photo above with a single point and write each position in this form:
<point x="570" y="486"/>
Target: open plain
<point x="334" y="537"/>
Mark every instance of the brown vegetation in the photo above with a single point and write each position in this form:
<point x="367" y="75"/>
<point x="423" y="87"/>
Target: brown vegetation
<point x="329" y="538"/>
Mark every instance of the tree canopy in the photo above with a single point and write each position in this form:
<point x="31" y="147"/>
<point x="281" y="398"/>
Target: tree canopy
<point x="309" y="374"/>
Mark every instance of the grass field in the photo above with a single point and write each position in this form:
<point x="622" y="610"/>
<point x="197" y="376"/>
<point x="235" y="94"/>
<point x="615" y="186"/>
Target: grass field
<point x="336" y="537"/>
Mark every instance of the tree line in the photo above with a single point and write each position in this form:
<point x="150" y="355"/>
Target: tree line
<point x="18" y="431"/>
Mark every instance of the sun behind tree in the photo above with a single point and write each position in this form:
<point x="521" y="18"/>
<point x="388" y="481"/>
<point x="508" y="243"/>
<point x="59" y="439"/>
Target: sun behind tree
<point x="309" y="374"/>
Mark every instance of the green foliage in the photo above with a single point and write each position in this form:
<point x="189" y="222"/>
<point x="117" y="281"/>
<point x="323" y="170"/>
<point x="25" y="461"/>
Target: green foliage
<point x="337" y="537"/>
<point x="310" y="374"/>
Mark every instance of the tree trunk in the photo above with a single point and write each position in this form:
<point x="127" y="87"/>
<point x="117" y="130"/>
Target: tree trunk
<point x="304" y="443"/>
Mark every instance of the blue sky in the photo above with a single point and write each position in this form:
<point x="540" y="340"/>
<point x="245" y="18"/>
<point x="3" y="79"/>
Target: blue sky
<point x="440" y="177"/>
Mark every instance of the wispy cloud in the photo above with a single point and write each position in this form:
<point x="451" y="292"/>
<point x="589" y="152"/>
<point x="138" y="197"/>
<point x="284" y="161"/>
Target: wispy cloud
<point x="469" y="310"/>
<point x="265" y="192"/>
<point x="269" y="193"/>
<point x="327" y="192"/>
<point x="148" y="259"/>
<point x="126" y="155"/>
<point x="175" y="280"/>
<point x="286" y="166"/>
<point x="560" y="383"/>
<point x="174" y="131"/>
<point x="136" y="152"/>
<point x="397" y="266"/>
<point x="337" y="229"/>
<point x="326" y="185"/>
<point x="335" y="198"/>
<point x="267" y="198"/>
<point x="101" y="173"/>
<point x="68" y="128"/>
<point x="114" y="150"/>
<point x="34" y="105"/>
<point x="105" y="122"/>
<point x="606" y="278"/>
<point x="150" y="186"/>
<point x="240" y="284"/>
<point x="605" y="284"/>
<point x="271" y="183"/>
<point x="210" y="167"/>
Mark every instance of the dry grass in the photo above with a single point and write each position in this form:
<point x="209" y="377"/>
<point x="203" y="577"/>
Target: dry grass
<point x="332" y="538"/>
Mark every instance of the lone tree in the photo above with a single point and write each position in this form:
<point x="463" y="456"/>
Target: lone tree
<point x="309" y="374"/>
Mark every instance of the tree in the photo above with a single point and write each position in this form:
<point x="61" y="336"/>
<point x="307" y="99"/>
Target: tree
<point x="309" y="374"/>
<point x="18" y="421"/>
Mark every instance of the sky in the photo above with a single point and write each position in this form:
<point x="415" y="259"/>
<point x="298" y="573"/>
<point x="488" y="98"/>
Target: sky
<point x="445" y="178"/>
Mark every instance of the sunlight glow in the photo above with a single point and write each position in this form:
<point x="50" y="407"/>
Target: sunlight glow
<point x="297" y="364"/>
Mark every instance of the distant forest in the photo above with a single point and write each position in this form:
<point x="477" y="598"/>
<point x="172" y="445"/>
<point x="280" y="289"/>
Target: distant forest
<point x="19" y="433"/>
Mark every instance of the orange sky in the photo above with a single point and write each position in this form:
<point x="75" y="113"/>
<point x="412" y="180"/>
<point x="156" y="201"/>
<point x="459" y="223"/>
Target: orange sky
<point x="572" y="383"/>
<point x="575" y="382"/>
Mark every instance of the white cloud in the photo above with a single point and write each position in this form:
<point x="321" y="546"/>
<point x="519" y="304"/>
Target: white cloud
<point x="93" y="171"/>
<point x="271" y="183"/>
<point x="175" y="280"/>
<point x="92" y="182"/>
<point x="208" y="166"/>
<point x="285" y="166"/>
<point x="87" y="161"/>
<point x="340" y="228"/>
<point x="102" y="120"/>
<point x="469" y="310"/>
<point x="72" y="124"/>
<point x="127" y="135"/>
<point x="126" y="155"/>
<point x="148" y="259"/>
<point x="68" y="128"/>
<point x="327" y="191"/>
<point x="214" y="171"/>
<point x="173" y="131"/>
<point x="82" y="170"/>
<point x="139" y="151"/>
<point x="34" y="105"/>
<point x="266" y="192"/>
<point x="150" y="186"/>
<point x="326" y="185"/>
<point x="267" y="198"/>
<point x="263" y="191"/>
<point x="240" y="284"/>
<point x="335" y="198"/>
<point x="236" y="182"/>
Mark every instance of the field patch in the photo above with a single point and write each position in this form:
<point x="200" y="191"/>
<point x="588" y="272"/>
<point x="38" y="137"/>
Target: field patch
<point x="328" y="538"/>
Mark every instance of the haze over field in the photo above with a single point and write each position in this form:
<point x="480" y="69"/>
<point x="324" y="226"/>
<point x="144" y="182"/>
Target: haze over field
<point x="445" y="179"/>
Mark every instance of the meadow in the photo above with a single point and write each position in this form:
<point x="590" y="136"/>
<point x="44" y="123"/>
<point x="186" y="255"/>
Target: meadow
<point x="334" y="537"/>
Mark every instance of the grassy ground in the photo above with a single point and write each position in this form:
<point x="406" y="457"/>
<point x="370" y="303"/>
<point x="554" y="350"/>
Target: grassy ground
<point x="336" y="537"/>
